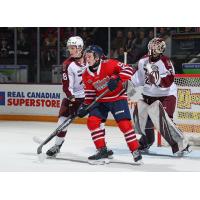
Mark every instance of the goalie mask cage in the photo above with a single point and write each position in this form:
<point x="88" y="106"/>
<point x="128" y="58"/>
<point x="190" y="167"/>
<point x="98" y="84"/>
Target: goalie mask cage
<point x="187" y="113"/>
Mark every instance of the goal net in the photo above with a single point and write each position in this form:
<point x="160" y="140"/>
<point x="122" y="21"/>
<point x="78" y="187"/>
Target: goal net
<point x="187" y="113"/>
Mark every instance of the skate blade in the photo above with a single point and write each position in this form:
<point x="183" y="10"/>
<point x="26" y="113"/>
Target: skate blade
<point x="139" y="162"/>
<point x="51" y="157"/>
<point x="99" y="162"/>
<point x="110" y="157"/>
<point x="183" y="153"/>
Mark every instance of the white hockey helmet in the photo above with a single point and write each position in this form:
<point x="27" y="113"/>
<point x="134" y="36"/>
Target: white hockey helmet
<point x="75" y="41"/>
<point x="156" y="47"/>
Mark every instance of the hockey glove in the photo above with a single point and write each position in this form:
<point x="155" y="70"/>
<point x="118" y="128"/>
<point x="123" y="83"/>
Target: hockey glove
<point x="72" y="105"/>
<point x="72" y="98"/>
<point x="82" y="112"/>
<point x="113" y="83"/>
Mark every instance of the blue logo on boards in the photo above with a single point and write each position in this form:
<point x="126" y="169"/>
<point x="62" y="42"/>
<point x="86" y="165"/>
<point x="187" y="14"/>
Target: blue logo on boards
<point x="2" y="98"/>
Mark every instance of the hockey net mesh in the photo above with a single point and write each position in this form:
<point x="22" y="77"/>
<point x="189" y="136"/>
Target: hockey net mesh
<point x="187" y="113"/>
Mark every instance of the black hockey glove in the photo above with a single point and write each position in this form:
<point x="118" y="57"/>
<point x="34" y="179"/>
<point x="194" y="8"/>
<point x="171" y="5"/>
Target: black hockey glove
<point x="82" y="112"/>
<point x="72" y="105"/>
<point x="72" y="98"/>
<point x="113" y="83"/>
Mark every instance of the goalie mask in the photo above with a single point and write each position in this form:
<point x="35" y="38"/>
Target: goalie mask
<point x="156" y="47"/>
<point x="75" y="46"/>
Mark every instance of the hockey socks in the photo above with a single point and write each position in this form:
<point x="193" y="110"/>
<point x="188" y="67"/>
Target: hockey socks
<point x="60" y="137"/>
<point x="129" y="134"/>
<point x="98" y="137"/>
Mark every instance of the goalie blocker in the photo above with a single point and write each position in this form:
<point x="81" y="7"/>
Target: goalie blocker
<point x="146" y="117"/>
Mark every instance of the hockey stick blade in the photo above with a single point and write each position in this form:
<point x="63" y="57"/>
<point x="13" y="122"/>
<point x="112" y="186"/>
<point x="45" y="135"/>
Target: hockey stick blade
<point x="37" y="140"/>
<point x="60" y="128"/>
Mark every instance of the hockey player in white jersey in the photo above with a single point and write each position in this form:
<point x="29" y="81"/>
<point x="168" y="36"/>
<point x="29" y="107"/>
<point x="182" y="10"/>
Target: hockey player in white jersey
<point x="73" y="67"/>
<point x="156" y="74"/>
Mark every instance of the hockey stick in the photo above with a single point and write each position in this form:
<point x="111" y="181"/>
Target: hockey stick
<point x="66" y="123"/>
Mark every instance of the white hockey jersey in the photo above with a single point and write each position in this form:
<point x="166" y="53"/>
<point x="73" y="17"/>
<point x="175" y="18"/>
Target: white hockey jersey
<point x="72" y="78"/>
<point x="163" y="72"/>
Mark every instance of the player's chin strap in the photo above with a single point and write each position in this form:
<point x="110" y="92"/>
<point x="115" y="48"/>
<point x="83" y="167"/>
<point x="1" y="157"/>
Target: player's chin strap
<point x="66" y="123"/>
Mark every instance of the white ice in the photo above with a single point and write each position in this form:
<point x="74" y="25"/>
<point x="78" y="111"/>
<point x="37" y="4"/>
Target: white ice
<point x="18" y="151"/>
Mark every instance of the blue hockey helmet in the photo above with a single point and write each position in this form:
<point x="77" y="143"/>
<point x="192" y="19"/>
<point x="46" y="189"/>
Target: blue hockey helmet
<point x="96" y="50"/>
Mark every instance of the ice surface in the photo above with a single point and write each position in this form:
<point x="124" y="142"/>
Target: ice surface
<point x="18" y="151"/>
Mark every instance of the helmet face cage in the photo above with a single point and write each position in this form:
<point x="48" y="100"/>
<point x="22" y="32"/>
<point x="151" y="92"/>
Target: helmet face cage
<point x="156" y="47"/>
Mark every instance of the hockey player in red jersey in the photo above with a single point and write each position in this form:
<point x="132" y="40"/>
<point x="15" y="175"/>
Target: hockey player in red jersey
<point x="156" y="74"/>
<point x="73" y="67"/>
<point x="98" y="77"/>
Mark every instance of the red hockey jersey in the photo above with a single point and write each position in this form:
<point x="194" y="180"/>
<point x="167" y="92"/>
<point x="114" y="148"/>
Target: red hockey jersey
<point x="96" y="83"/>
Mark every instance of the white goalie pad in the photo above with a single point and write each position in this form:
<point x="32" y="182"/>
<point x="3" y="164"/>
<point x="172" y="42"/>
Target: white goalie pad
<point x="140" y="116"/>
<point x="165" y="126"/>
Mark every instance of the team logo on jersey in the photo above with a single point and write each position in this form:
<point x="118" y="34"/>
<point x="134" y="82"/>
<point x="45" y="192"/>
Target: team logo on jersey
<point x="101" y="84"/>
<point x="89" y="81"/>
<point x="153" y="70"/>
<point x="2" y="98"/>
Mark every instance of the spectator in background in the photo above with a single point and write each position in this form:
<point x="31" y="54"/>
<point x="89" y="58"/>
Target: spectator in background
<point x="87" y="38"/>
<point x="167" y="38"/>
<point x="128" y="44"/>
<point x="48" y="52"/>
<point x="150" y="35"/>
<point x="120" y="54"/>
<point x="118" y="42"/>
<point x="161" y="31"/>
<point x="4" y="47"/>
<point x="129" y="41"/>
<point x="139" y="47"/>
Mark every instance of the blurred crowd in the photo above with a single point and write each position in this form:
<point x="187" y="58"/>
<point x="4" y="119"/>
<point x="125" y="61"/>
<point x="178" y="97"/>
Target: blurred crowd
<point x="133" y="40"/>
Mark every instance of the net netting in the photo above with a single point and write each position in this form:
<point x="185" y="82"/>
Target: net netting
<point x="187" y="113"/>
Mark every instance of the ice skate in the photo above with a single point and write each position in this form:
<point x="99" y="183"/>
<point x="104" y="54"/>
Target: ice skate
<point x="144" y="148"/>
<point x="185" y="151"/>
<point x="137" y="157"/>
<point x="101" y="157"/>
<point x="54" y="150"/>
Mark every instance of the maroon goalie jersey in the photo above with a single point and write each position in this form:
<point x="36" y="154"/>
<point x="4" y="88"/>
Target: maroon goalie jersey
<point x="96" y="83"/>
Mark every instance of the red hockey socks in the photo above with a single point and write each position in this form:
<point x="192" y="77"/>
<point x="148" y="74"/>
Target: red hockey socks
<point x="129" y="134"/>
<point x="97" y="133"/>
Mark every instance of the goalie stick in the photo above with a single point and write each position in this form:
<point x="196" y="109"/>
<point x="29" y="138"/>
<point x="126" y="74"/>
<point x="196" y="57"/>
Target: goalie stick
<point x="65" y="124"/>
